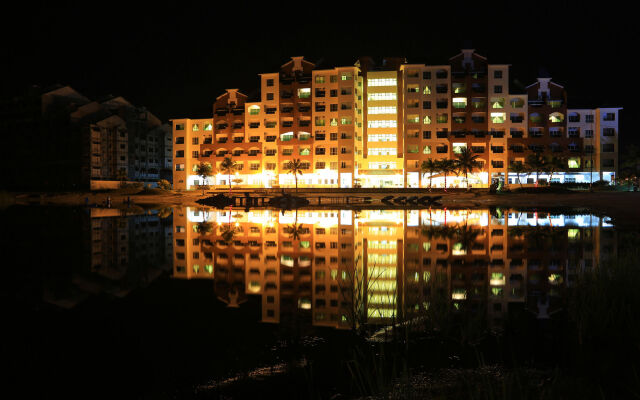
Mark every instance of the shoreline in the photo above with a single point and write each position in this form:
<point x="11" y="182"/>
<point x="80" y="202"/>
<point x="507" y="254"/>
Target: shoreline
<point x="622" y="207"/>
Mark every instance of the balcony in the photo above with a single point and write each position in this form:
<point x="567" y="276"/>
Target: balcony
<point x="287" y="124"/>
<point x="304" y="123"/>
<point x="304" y="108"/>
<point x="442" y="104"/>
<point x="286" y="109"/>
<point x="497" y="134"/>
<point x="459" y="134"/>
<point x="238" y="126"/>
<point x="517" y="120"/>
<point x="221" y="112"/>
<point x="442" y="149"/>
<point x="270" y="138"/>
<point x="221" y="140"/>
<point x="286" y="95"/>
<point x="270" y="110"/>
<point x="497" y="149"/>
<point x="320" y="108"/>
<point x="516" y="134"/>
<point x="442" y="134"/>
<point x="254" y="153"/>
<point x="442" y="89"/>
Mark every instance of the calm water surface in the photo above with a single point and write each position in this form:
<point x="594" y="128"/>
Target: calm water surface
<point x="178" y="302"/>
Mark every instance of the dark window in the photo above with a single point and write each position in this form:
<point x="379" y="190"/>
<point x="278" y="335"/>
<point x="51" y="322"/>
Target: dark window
<point x="269" y="82"/>
<point x="426" y="134"/>
<point x="497" y="89"/>
<point x="426" y="105"/>
<point x="497" y="74"/>
<point x="426" y="75"/>
<point x="269" y="96"/>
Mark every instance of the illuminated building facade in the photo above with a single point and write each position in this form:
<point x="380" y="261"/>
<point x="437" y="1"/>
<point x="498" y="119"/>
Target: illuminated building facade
<point x="342" y="269"/>
<point x="373" y="125"/>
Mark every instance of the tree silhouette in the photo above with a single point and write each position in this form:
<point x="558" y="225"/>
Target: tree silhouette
<point x="447" y="167"/>
<point x="203" y="170"/>
<point x="430" y="167"/>
<point x="519" y="168"/>
<point x="466" y="162"/>
<point x="228" y="166"/>
<point x="294" y="167"/>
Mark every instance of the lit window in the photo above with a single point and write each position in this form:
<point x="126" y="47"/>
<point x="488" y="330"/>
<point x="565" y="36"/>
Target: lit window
<point x="382" y="82"/>
<point x="459" y="102"/>
<point x="382" y="96"/>
<point x="426" y="120"/>
<point x="386" y="123"/>
<point x="556" y="117"/>
<point x="381" y="110"/>
<point x="458" y="147"/>
<point x="498" y="118"/>
<point x="497" y="102"/>
<point x="304" y="93"/>
<point x="458" y="87"/>
<point x="574" y="162"/>
<point x="208" y="127"/>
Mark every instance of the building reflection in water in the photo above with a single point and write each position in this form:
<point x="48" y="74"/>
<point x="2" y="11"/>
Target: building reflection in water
<point x="342" y="268"/>
<point x="121" y="252"/>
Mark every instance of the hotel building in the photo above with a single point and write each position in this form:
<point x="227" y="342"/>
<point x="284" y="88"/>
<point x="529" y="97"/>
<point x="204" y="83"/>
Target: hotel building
<point x="373" y="125"/>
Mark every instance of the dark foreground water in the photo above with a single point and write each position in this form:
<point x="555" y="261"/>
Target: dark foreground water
<point x="185" y="302"/>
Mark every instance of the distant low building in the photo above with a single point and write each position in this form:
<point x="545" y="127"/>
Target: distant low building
<point x="56" y="138"/>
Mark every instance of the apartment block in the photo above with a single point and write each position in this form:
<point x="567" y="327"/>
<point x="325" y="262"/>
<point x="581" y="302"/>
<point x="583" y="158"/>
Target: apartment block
<point x="375" y="123"/>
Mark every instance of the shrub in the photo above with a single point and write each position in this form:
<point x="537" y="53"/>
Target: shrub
<point x="164" y="184"/>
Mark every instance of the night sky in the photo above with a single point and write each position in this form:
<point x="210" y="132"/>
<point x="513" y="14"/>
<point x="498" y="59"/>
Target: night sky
<point x="176" y="60"/>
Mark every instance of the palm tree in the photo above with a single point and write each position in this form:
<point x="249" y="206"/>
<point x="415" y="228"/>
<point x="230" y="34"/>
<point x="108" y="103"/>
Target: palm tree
<point x="430" y="167"/>
<point x="203" y="170"/>
<point x="227" y="232"/>
<point x="535" y="163"/>
<point x="228" y="166"/>
<point x="294" y="167"/>
<point x="466" y="235"/>
<point x="466" y="162"/>
<point x="519" y="168"/>
<point x="447" y="167"/>
<point x="555" y="164"/>
<point x="294" y="231"/>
